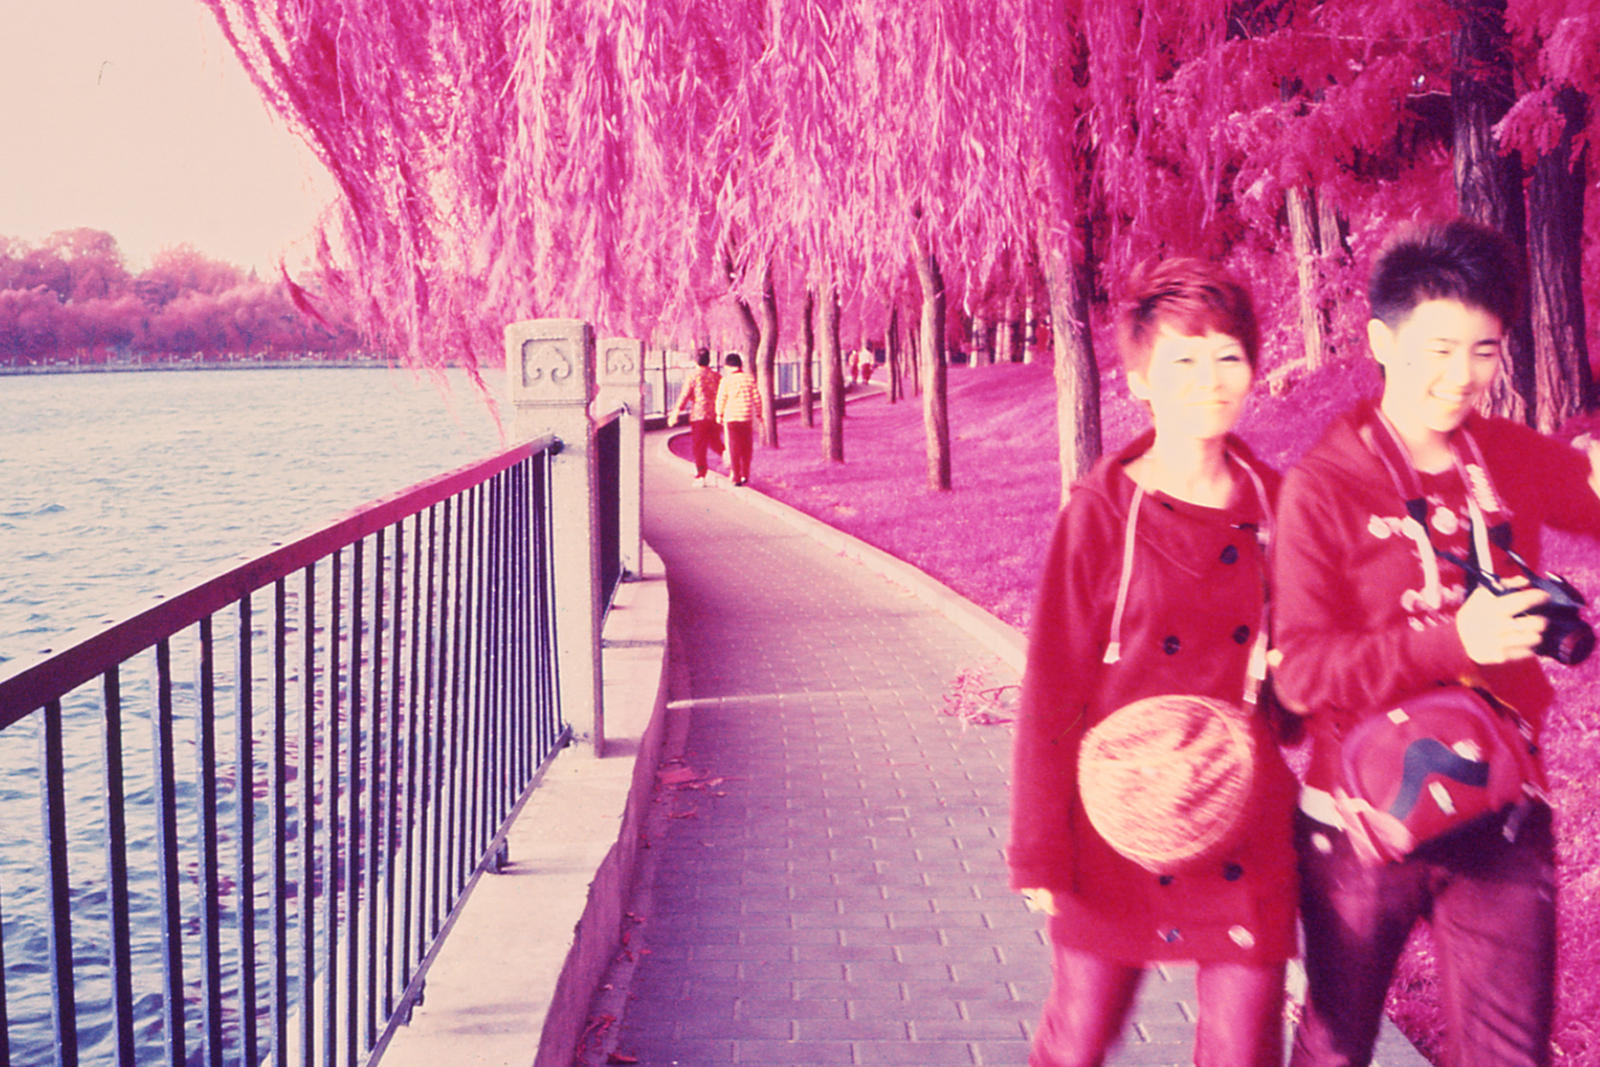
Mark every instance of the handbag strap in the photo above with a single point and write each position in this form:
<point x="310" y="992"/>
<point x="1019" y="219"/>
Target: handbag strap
<point x="1256" y="672"/>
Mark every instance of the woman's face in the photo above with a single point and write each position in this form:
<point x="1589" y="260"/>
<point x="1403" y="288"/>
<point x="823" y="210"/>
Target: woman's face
<point x="1195" y="385"/>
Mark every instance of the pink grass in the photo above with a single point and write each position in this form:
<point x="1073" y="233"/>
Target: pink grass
<point x="986" y="539"/>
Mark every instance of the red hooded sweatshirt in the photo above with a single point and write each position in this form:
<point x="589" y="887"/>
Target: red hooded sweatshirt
<point x="1350" y="614"/>
<point x="1194" y="603"/>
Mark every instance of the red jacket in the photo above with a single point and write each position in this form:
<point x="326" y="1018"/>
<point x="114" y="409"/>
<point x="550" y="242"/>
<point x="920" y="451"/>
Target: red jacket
<point x="1347" y="616"/>
<point x="1194" y="602"/>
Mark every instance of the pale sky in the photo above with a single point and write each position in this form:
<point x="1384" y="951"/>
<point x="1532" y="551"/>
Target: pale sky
<point x="134" y="117"/>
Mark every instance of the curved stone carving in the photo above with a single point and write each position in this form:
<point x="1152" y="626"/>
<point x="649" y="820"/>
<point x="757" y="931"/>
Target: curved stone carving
<point x="621" y="361"/>
<point x="547" y="364"/>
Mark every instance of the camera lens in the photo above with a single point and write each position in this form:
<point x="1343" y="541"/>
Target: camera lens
<point x="1573" y="645"/>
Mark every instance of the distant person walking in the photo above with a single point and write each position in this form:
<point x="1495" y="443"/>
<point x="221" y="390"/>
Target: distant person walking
<point x="738" y="409"/>
<point x="699" y="399"/>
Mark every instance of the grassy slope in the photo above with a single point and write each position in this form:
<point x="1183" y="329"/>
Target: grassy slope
<point x="986" y="539"/>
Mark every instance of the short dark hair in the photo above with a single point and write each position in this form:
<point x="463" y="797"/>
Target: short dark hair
<point x="703" y="357"/>
<point x="734" y="361"/>
<point x="1456" y="259"/>
<point x="1193" y="296"/>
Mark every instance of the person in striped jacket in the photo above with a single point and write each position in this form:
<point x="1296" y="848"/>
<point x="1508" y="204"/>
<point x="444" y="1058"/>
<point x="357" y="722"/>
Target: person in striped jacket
<point x="738" y="409"/>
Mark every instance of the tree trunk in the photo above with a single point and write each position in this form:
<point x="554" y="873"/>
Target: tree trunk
<point x="1489" y="184"/>
<point x="767" y="363"/>
<point x="935" y="414"/>
<point x="832" y="379"/>
<point x="1303" y="239"/>
<point x="892" y="341"/>
<point x="1555" y="272"/>
<point x="808" y="384"/>
<point x="914" y="350"/>
<point x="1077" y="374"/>
<point x="983" y="342"/>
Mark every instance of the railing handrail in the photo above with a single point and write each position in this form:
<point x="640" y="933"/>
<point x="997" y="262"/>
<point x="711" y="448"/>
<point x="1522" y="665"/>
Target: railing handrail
<point x="92" y="650"/>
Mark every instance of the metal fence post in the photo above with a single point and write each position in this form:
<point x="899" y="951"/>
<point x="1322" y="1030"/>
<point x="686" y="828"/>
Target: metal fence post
<point x="550" y="375"/>
<point x="622" y="385"/>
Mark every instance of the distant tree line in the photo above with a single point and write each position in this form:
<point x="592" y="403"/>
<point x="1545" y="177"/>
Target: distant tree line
<point x="72" y="298"/>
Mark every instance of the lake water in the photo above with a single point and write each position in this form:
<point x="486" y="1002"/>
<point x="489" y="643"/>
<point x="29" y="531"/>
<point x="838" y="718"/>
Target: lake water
<point x="117" y="487"/>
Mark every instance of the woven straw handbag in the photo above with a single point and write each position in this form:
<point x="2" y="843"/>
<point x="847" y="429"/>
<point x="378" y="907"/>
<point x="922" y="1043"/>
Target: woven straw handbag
<point x="1166" y="780"/>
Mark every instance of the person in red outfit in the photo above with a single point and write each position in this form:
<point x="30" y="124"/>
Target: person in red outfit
<point x="1368" y="612"/>
<point x="699" y="400"/>
<point x="1186" y="622"/>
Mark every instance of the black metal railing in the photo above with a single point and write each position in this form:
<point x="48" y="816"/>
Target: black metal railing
<point x="608" y="493"/>
<point x="335" y="736"/>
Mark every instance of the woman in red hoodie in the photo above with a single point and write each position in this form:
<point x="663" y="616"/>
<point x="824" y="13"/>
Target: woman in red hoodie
<point x="1370" y="611"/>
<point x="1179" y="613"/>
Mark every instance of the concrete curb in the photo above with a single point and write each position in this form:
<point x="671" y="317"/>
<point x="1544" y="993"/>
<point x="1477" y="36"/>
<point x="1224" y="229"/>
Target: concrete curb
<point x="531" y="944"/>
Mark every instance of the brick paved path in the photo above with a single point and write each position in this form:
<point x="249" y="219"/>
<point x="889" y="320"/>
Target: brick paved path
<point x="825" y="882"/>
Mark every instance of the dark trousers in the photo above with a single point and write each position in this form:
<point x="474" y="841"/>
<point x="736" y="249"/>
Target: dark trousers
<point x="739" y="446"/>
<point x="1491" y="903"/>
<point x="703" y="438"/>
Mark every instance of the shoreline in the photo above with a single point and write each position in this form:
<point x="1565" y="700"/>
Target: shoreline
<point x="13" y="370"/>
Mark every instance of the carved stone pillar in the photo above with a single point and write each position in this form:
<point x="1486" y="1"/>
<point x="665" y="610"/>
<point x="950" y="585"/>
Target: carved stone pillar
<point x="622" y="385"/>
<point x="550" y="376"/>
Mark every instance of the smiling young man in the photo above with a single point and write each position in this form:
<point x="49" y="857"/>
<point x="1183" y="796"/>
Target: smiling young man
<point x="1369" y="611"/>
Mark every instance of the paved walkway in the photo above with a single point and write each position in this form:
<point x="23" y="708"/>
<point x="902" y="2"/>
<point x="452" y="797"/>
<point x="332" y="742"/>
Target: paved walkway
<point x="824" y="882"/>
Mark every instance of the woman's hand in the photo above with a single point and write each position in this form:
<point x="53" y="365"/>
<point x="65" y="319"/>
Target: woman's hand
<point x="1040" y="900"/>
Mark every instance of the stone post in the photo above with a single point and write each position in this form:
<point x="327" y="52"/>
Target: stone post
<point x="550" y="377"/>
<point x="622" y="385"/>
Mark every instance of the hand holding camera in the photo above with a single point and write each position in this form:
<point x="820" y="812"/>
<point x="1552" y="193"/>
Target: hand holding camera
<point x="1497" y="627"/>
<point x="1500" y="615"/>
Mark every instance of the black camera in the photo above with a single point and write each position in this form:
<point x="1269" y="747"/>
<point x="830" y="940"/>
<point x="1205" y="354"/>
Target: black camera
<point x="1567" y="638"/>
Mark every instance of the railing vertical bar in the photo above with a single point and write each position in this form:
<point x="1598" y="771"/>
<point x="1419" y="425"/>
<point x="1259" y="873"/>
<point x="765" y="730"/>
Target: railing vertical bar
<point x="499" y="752"/>
<point x="481" y="738"/>
<point x="390" y="834"/>
<point x="117" y="875"/>
<point x="485" y="625"/>
<point x="53" y="810"/>
<point x="525" y="645"/>
<point x="279" y="1047"/>
<point x="352" y="837"/>
<point x="331" y="865"/>
<point x="306" y="906"/>
<point x="424" y="783"/>
<point x="513" y="633"/>
<point x="513" y="643"/>
<point x="471" y="730"/>
<point x="210" y="919"/>
<point x="496" y="751"/>
<point x="167" y="845"/>
<point x="374" y="814"/>
<point x="463" y="680"/>
<point x="413" y="714"/>
<point x="439" y="847"/>
<point x="244" y="792"/>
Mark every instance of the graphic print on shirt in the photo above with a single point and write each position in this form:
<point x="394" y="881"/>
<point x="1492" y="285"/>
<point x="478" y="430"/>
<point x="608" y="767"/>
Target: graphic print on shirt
<point x="1449" y="528"/>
